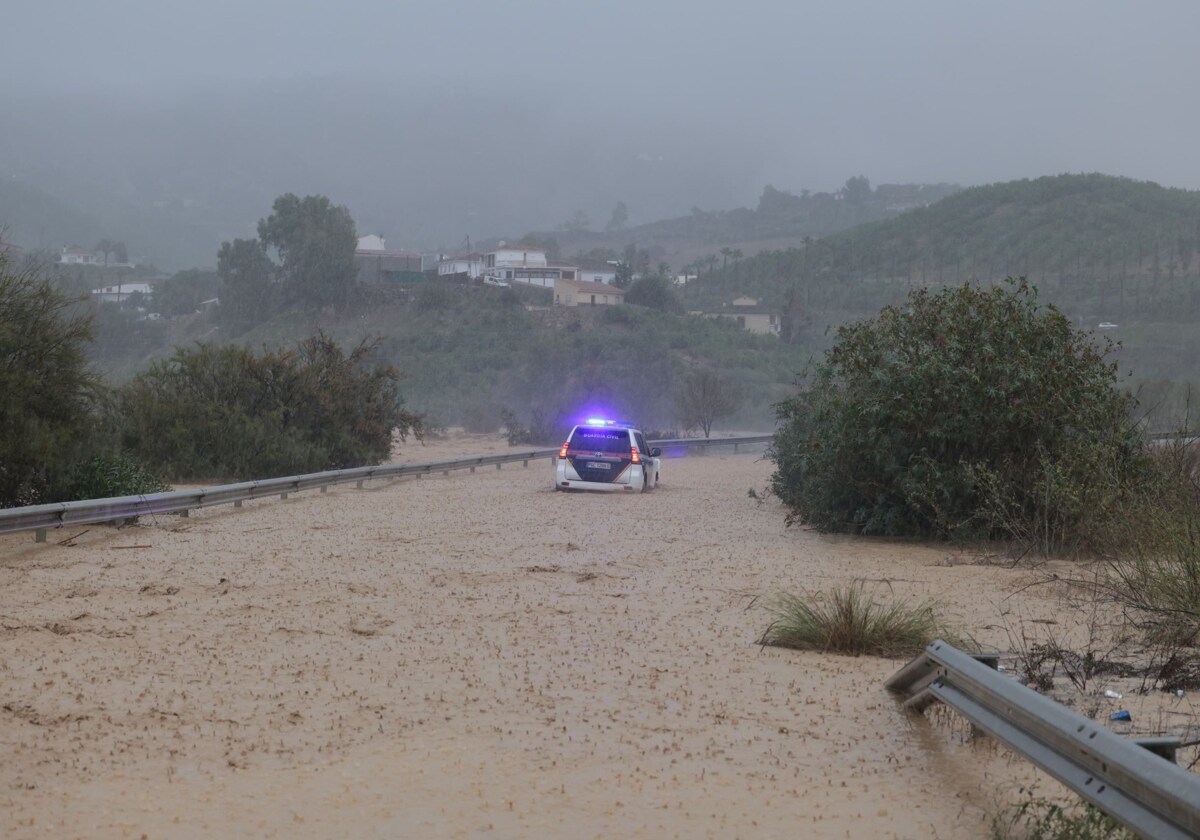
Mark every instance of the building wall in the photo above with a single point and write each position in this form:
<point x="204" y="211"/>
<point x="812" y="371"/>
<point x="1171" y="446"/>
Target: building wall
<point x="755" y="322"/>
<point x="592" y="275"/>
<point x="515" y="256"/>
<point x="567" y="293"/>
<point x="386" y="268"/>
<point x="471" y="268"/>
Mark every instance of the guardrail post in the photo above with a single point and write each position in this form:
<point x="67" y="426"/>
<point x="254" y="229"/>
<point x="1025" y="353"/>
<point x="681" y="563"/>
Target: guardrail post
<point x="359" y="484"/>
<point x="498" y="466"/>
<point x="183" y="514"/>
<point x="237" y="503"/>
<point x="472" y="469"/>
<point x="324" y="488"/>
<point x="525" y="463"/>
<point x="283" y="495"/>
<point x="40" y="535"/>
<point x="1164" y="747"/>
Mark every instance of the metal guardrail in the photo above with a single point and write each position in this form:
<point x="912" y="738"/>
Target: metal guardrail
<point x="87" y="512"/>
<point x="1124" y="779"/>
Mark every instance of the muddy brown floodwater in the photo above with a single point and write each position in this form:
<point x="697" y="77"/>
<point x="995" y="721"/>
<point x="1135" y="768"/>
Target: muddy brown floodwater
<point x="474" y="655"/>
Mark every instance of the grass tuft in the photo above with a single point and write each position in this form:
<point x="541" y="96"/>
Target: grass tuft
<point x="1038" y="818"/>
<point x="852" y="621"/>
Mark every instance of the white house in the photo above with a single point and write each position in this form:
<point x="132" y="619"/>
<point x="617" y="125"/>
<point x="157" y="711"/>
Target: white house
<point x="471" y="265"/>
<point x="371" y="242"/>
<point x="519" y="264"/>
<point x="80" y="256"/>
<point x="751" y="315"/>
<point x="514" y="256"/>
<point x="121" y="292"/>
<point x="597" y="271"/>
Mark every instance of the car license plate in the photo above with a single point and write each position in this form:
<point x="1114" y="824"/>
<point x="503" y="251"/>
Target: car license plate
<point x="599" y="465"/>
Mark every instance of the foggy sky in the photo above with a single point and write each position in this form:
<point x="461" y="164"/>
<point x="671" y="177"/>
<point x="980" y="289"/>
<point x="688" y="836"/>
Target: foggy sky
<point x="735" y="95"/>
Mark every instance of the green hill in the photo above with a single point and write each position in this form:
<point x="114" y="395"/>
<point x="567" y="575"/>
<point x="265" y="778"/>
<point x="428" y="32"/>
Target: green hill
<point x="1105" y="250"/>
<point x="779" y="220"/>
<point x="1097" y="245"/>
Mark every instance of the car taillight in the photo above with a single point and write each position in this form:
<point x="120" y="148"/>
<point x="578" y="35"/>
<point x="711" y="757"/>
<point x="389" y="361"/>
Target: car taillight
<point x="562" y="453"/>
<point x="633" y="455"/>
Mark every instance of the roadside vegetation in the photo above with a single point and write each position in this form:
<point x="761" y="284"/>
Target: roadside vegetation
<point x="208" y="411"/>
<point x="968" y="413"/>
<point x="1036" y="817"/>
<point x="226" y="412"/>
<point x="853" y="620"/>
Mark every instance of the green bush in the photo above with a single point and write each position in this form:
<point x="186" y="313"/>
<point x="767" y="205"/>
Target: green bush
<point x="968" y="412"/>
<point x="223" y="412"/>
<point x="49" y="395"/>
<point x="107" y="476"/>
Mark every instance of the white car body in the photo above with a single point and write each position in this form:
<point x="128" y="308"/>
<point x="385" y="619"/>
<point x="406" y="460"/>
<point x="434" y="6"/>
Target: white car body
<point x="608" y="456"/>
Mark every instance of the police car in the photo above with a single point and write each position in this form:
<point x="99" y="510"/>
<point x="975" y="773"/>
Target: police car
<point x="606" y="455"/>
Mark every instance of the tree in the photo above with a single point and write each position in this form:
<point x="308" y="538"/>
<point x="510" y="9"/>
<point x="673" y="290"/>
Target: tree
<point x="654" y="291"/>
<point x="183" y="293"/>
<point x="857" y="190"/>
<point x="315" y="240"/>
<point x="245" y="272"/>
<point x="47" y="416"/>
<point x="625" y="267"/>
<point x="108" y="248"/>
<point x="736" y="255"/>
<point x="619" y="218"/>
<point x="968" y="411"/>
<point x="704" y="398"/>
<point x="105" y="247"/>
<point x="577" y="223"/>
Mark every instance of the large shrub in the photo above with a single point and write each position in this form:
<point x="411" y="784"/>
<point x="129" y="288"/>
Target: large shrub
<point x="224" y="412"/>
<point x="47" y="393"/>
<point x="969" y="411"/>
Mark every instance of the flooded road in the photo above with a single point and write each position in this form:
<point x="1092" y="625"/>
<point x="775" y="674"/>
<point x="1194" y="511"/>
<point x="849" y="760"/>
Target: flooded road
<point x="475" y="655"/>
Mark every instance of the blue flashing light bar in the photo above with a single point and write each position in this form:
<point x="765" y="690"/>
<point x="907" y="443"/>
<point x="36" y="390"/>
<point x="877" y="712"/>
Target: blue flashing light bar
<point x="600" y="421"/>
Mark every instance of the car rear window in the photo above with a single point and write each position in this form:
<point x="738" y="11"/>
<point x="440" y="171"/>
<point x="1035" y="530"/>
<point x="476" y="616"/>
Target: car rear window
<point x="600" y="440"/>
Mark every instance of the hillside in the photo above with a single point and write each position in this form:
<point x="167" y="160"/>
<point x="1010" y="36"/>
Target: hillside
<point x="1094" y="242"/>
<point x="470" y="353"/>
<point x="36" y="220"/>
<point x="780" y="220"/>
<point x="1103" y="249"/>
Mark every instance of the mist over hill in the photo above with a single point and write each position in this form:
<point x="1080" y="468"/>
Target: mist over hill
<point x="174" y="176"/>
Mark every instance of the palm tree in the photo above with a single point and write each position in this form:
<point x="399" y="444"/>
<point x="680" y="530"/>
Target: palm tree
<point x="726" y="253"/>
<point x="736" y="256"/>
